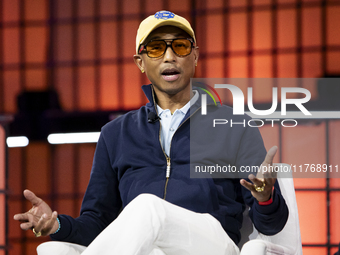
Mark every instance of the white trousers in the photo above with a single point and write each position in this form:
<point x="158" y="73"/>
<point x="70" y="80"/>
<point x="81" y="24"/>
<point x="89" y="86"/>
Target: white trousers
<point x="150" y="225"/>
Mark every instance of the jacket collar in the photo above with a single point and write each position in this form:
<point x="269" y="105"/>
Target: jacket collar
<point x="149" y="93"/>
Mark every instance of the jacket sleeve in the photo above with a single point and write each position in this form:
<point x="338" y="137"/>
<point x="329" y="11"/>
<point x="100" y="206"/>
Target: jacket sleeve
<point x="268" y="219"/>
<point x="101" y="203"/>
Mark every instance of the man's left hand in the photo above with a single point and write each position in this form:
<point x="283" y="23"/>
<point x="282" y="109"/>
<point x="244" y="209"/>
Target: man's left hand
<point x="262" y="185"/>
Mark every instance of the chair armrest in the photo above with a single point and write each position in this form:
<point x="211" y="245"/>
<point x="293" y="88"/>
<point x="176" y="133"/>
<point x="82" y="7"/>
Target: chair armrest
<point x="261" y="247"/>
<point x="59" y="248"/>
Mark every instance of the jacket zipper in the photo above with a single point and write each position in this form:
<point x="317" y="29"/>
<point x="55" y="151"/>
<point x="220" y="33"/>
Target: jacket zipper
<point x="167" y="175"/>
<point x="168" y="165"/>
<point x="168" y="159"/>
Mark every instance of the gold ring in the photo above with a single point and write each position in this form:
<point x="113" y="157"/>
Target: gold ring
<point x="35" y="233"/>
<point x="261" y="188"/>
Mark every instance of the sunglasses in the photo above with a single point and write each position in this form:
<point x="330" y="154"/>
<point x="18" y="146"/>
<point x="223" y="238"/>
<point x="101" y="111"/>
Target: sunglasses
<point x="156" y="48"/>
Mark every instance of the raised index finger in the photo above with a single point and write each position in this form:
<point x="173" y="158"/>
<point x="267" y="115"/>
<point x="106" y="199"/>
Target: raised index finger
<point x="270" y="155"/>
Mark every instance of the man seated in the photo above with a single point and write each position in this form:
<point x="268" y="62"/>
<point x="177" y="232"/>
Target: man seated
<point x="142" y="164"/>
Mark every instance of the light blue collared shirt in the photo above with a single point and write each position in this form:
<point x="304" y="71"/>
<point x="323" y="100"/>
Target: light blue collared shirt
<point x="170" y="122"/>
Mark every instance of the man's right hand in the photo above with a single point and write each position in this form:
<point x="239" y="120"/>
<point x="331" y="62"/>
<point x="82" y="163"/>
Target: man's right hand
<point x="40" y="216"/>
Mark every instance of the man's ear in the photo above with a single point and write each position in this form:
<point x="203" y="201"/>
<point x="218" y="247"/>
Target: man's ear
<point x="139" y="62"/>
<point x="196" y="53"/>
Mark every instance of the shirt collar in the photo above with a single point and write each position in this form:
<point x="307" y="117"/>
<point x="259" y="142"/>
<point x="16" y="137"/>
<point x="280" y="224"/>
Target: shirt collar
<point x="185" y="108"/>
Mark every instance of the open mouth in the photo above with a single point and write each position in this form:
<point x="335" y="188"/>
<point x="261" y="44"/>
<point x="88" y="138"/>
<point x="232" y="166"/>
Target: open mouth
<point x="170" y="74"/>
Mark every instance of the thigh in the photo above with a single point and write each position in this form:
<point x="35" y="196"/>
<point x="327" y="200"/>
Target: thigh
<point x="186" y="232"/>
<point x="59" y="248"/>
<point x="150" y="225"/>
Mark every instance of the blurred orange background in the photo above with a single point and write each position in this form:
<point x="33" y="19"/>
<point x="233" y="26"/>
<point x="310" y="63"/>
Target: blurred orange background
<point x="83" y="49"/>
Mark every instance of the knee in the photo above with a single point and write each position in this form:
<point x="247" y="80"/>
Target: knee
<point x="147" y="206"/>
<point x="145" y="200"/>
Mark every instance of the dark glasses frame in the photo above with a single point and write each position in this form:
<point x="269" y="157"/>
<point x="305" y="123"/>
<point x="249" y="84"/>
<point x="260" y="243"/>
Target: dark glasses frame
<point x="168" y="43"/>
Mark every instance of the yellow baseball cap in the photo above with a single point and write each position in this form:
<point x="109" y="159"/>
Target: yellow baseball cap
<point x="161" y="18"/>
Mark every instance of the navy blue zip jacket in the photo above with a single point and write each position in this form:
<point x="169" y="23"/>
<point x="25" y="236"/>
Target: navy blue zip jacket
<point x="129" y="161"/>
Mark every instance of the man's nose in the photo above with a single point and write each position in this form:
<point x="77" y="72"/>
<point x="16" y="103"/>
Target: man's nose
<point x="169" y="55"/>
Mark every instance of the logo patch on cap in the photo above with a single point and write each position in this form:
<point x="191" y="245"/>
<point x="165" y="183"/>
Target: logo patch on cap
<point x="164" y="15"/>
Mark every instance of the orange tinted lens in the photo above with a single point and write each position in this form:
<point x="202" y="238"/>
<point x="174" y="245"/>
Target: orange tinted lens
<point x="182" y="47"/>
<point x="155" y="49"/>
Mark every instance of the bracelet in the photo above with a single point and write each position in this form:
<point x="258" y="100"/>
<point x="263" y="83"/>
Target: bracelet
<point x="270" y="201"/>
<point x="58" y="227"/>
<point x="267" y="202"/>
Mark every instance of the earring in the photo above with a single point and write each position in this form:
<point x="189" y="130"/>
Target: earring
<point x="196" y="64"/>
<point x="142" y="70"/>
